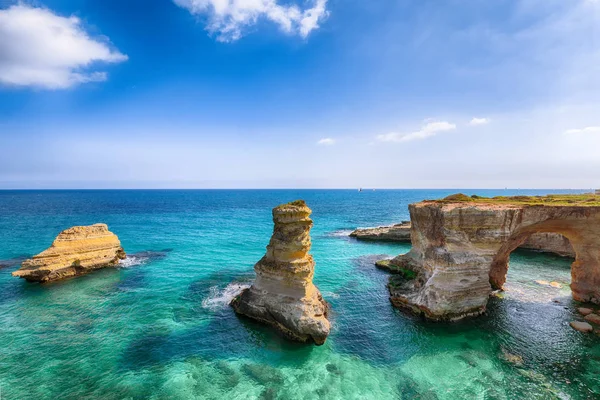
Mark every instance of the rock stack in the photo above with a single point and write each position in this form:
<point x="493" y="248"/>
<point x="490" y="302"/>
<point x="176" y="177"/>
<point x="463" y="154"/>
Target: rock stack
<point x="75" y="251"/>
<point x="283" y="294"/>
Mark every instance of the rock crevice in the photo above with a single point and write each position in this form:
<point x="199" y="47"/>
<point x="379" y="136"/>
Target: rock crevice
<point x="283" y="294"/>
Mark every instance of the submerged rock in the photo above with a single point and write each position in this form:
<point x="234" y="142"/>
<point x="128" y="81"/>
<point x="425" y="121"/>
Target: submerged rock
<point x="581" y="326"/>
<point x="75" y="251"/>
<point x="283" y="294"/>
<point x="593" y="318"/>
<point x="584" y="310"/>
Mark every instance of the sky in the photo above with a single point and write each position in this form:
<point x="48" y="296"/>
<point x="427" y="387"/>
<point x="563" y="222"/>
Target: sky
<point x="299" y="94"/>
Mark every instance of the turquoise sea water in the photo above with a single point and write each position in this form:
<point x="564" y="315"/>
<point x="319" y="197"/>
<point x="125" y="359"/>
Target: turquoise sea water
<point x="160" y="327"/>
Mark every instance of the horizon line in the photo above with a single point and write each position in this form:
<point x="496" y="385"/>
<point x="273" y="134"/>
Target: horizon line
<point x="316" y="188"/>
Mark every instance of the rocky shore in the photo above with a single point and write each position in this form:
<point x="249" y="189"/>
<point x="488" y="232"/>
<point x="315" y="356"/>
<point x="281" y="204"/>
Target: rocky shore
<point x="553" y="243"/>
<point x="75" y="251"/>
<point x="390" y="233"/>
<point x="283" y="294"/>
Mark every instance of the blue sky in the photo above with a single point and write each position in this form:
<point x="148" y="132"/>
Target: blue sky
<point x="316" y="93"/>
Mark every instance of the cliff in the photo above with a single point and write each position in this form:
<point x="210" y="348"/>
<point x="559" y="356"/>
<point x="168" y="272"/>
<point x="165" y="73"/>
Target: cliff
<point x="460" y="252"/>
<point x="283" y="294"/>
<point x="544" y="242"/>
<point x="75" y="251"/>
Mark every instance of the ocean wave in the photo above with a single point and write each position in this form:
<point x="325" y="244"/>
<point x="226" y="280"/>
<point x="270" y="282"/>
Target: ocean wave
<point x="340" y="233"/>
<point x="143" y="257"/>
<point x="132" y="261"/>
<point x="221" y="298"/>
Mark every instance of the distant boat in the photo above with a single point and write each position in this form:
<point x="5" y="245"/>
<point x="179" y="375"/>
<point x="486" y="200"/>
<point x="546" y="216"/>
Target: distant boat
<point x="360" y="189"/>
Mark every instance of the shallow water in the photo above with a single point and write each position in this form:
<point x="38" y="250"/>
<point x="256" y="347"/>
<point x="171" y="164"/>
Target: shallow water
<point x="160" y="327"/>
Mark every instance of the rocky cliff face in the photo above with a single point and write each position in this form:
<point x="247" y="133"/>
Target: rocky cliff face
<point x="75" y="251"/>
<point x="549" y="243"/>
<point x="460" y="252"/>
<point x="283" y="294"/>
<point x="545" y="242"/>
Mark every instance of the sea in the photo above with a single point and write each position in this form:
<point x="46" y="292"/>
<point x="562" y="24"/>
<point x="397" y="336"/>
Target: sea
<point x="160" y="326"/>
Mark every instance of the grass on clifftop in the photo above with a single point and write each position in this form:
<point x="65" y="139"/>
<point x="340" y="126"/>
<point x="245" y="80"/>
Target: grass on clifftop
<point x="587" y="199"/>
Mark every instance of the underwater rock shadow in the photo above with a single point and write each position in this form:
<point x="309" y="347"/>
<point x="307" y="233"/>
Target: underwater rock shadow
<point x="13" y="288"/>
<point x="13" y="262"/>
<point x="216" y="322"/>
<point x="362" y="311"/>
<point x="134" y="278"/>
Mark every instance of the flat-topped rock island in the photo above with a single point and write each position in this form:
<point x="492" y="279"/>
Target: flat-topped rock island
<point x="75" y="251"/>
<point x="461" y="247"/>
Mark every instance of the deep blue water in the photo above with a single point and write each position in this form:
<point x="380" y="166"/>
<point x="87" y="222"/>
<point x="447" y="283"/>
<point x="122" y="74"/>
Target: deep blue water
<point x="160" y="327"/>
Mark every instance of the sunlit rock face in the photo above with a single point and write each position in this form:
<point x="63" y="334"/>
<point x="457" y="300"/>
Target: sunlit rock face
<point x="283" y="294"/>
<point x="547" y="242"/>
<point x="460" y="253"/>
<point x="75" y="251"/>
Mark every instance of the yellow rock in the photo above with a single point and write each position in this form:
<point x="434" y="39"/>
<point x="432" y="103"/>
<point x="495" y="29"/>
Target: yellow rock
<point x="283" y="294"/>
<point x="75" y="251"/>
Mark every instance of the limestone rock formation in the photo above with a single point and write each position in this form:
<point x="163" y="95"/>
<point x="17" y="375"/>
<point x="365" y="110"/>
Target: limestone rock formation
<point x="549" y="242"/>
<point x="460" y="252"/>
<point x="75" y="251"/>
<point x="283" y="294"/>
<point x="544" y="242"/>
<point x="391" y="233"/>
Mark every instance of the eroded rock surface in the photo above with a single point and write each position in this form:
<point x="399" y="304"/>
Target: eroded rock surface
<point x="75" y="251"/>
<point x="283" y="294"/>
<point x="460" y="253"/>
<point x="390" y="233"/>
<point x="544" y="242"/>
<point x="549" y="242"/>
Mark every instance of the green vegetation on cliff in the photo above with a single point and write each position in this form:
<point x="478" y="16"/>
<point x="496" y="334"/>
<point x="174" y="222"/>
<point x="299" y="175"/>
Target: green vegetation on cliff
<point x="405" y="273"/>
<point x="587" y="199"/>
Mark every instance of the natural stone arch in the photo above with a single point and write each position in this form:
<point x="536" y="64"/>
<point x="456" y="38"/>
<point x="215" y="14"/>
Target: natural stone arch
<point x="500" y="263"/>
<point x="461" y="249"/>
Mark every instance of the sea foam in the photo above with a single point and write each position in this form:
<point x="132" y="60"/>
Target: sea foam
<point x="221" y="298"/>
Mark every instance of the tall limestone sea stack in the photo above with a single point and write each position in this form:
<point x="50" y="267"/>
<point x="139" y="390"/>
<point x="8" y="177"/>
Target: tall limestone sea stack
<point x="75" y="251"/>
<point x="283" y="294"/>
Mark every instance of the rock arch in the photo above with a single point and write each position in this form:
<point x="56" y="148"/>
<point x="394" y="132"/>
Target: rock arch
<point x="461" y="251"/>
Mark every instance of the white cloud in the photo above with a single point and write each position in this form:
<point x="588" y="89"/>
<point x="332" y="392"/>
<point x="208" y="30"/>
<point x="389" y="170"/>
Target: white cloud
<point x="326" y="142"/>
<point x="479" y="121"/>
<point x="40" y="48"/>
<point x="228" y="18"/>
<point x="428" y="130"/>
<point x="589" y="129"/>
